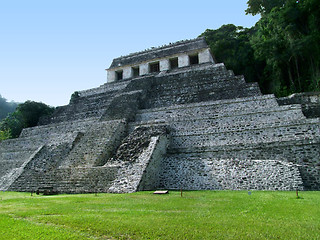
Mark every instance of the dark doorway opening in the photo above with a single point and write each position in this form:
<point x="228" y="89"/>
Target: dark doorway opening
<point x="194" y="59"/>
<point x="119" y="75"/>
<point x="136" y="71"/>
<point x="154" y="67"/>
<point x="173" y="63"/>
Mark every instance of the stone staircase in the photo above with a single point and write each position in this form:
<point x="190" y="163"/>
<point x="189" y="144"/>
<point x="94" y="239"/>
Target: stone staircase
<point x="97" y="144"/>
<point x="223" y="129"/>
<point x="75" y="145"/>
<point x="75" y="133"/>
<point x="205" y="84"/>
<point x="83" y="108"/>
<point x="223" y="134"/>
<point x="90" y="104"/>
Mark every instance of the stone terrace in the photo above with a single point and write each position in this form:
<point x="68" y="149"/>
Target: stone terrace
<point x="192" y="126"/>
<point x="208" y="135"/>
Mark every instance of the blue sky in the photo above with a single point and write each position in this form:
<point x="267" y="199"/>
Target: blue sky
<point x="49" y="49"/>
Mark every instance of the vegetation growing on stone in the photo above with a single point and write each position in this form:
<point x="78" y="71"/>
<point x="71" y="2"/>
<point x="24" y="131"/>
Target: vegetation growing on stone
<point x="5" y="134"/>
<point x="74" y="96"/>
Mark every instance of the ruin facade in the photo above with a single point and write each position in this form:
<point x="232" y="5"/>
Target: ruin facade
<point x="168" y="118"/>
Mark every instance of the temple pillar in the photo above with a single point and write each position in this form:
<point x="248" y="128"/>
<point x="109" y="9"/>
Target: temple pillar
<point x="111" y="76"/>
<point x="143" y="69"/>
<point x="183" y="60"/>
<point x="127" y="72"/>
<point x="164" y="65"/>
<point x="205" y="56"/>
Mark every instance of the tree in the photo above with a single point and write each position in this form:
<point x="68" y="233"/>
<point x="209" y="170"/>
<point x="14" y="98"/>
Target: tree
<point x="26" y="115"/>
<point x="287" y="41"/>
<point x="74" y="96"/>
<point x="13" y="124"/>
<point x="6" y="107"/>
<point x="230" y="44"/>
<point x="281" y="52"/>
<point x="32" y="111"/>
<point x="5" y="134"/>
<point x="263" y="6"/>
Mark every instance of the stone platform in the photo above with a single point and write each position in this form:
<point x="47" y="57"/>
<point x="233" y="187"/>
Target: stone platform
<point x="192" y="126"/>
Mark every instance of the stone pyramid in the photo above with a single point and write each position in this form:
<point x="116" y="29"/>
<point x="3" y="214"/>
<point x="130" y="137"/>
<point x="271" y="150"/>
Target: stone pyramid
<point x="168" y="118"/>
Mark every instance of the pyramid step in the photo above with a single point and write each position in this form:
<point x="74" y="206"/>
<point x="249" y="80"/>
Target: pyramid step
<point x="198" y="89"/>
<point x="260" y="99"/>
<point x="228" y="150"/>
<point x="14" y="156"/>
<point x="239" y="121"/>
<point x="18" y="144"/>
<point x="180" y="119"/>
<point x="59" y="128"/>
<point x="282" y="132"/>
<point x="99" y="140"/>
<point x="210" y="109"/>
<point x="246" y="91"/>
<point x="75" y="116"/>
<point x="218" y="82"/>
<point x="198" y="129"/>
<point x="105" y="89"/>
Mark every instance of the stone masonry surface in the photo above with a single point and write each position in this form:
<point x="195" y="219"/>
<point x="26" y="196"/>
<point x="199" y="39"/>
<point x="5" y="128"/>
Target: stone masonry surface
<point x="194" y="126"/>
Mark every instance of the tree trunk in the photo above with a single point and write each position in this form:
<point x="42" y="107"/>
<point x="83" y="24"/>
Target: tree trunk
<point x="298" y="74"/>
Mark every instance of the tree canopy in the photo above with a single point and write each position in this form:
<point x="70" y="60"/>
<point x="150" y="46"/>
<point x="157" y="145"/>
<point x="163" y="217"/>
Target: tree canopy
<point x="263" y="6"/>
<point x="6" y="107"/>
<point x="281" y="51"/>
<point x="26" y="115"/>
<point x="230" y="44"/>
<point x="32" y="111"/>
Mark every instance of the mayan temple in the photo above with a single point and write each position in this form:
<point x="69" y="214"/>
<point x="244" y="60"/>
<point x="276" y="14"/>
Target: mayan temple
<point x="167" y="118"/>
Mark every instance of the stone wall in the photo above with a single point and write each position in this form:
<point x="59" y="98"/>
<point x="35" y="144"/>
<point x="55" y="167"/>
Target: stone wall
<point x="110" y="87"/>
<point x="124" y="67"/>
<point x="194" y="127"/>
<point x="139" y="157"/>
<point x="160" y="52"/>
<point x="150" y="178"/>
<point x="96" y="144"/>
<point x="247" y="128"/>
<point x="209" y="84"/>
<point x="233" y="174"/>
<point x="309" y="101"/>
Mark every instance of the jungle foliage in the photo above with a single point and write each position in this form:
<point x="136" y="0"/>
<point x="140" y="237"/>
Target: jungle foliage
<point x="281" y="52"/>
<point x="6" y="107"/>
<point x="26" y="114"/>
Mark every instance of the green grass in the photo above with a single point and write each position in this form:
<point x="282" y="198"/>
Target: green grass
<point x="142" y="215"/>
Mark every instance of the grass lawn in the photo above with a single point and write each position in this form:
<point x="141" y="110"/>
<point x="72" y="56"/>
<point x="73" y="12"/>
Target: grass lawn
<point x="142" y="215"/>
